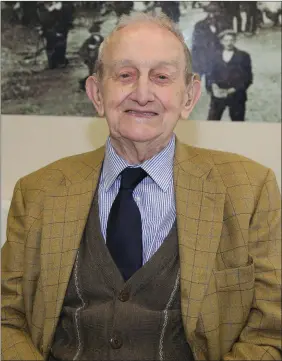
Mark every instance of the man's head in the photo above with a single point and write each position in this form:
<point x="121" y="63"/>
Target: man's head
<point x="213" y="11"/>
<point x="143" y="82"/>
<point x="95" y="28"/>
<point x="227" y="39"/>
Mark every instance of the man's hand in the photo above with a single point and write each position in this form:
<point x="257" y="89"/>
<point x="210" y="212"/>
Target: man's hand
<point x="40" y="31"/>
<point x="218" y="92"/>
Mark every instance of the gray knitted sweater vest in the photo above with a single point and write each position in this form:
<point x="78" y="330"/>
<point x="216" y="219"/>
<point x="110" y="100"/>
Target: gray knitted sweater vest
<point x="105" y="318"/>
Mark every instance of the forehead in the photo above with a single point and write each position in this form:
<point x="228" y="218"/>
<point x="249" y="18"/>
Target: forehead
<point x="145" y="45"/>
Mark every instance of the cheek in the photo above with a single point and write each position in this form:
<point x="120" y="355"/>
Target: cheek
<point x="171" y="100"/>
<point x="114" y="96"/>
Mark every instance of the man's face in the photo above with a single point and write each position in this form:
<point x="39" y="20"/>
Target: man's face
<point x="212" y="18"/>
<point x="228" y="42"/>
<point x="143" y="91"/>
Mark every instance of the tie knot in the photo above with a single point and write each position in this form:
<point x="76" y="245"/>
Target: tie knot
<point x="131" y="177"/>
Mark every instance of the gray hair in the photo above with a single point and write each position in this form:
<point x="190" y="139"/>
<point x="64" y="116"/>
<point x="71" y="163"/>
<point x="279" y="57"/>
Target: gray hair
<point x="140" y="17"/>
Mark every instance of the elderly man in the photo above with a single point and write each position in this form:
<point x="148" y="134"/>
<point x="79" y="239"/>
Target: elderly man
<point x="145" y="249"/>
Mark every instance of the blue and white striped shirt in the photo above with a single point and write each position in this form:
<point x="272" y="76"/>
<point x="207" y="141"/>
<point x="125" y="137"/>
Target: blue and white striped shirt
<point x="154" y="195"/>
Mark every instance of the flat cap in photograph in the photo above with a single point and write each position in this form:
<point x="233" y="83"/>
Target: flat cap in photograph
<point x="226" y="32"/>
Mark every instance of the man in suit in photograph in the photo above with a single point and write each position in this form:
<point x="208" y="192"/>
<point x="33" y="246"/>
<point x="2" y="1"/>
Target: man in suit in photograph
<point x="230" y="77"/>
<point x="171" y="9"/>
<point x="56" y="19"/>
<point x="233" y="11"/>
<point x="252" y="11"/>
<point x="205" y="42"/>
<point x="89" y="51"/>
<point x="146" y="248"/>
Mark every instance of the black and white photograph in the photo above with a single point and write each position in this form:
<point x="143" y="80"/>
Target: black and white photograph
<point x="49" y="48"/>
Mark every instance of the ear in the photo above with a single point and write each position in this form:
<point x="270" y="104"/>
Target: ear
<point x="193" y="93"/>
<point x="93" y="90"/>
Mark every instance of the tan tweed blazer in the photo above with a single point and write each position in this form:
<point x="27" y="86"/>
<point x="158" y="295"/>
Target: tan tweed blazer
<point x="228" y="217"/>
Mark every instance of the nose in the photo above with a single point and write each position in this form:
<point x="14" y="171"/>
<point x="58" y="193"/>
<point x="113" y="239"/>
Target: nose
<point x="142" y="93"/>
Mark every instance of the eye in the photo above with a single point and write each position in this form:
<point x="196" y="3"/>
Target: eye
<point x="162" y="77"/>
<point x="124" y="75"/>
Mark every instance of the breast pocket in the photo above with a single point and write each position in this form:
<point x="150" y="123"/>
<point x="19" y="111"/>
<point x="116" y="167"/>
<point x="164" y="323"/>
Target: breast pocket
<point x="235" y="291"/>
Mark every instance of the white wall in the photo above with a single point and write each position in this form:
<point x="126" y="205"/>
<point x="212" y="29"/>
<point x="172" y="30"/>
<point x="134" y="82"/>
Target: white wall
<point x="31" y="142"/>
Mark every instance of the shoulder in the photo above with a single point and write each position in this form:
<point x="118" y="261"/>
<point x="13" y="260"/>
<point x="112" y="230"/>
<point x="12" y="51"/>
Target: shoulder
<point x="243" y="54"/>
<point x="233" y="170"/>
<point x="249" y="186"/>
<point x="64" y="171"/>
<point x="200" y="24"/>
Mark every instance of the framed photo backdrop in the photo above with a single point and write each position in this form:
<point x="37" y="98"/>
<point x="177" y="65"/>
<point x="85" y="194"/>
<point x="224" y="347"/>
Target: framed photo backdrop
<point x="48" y="49"/>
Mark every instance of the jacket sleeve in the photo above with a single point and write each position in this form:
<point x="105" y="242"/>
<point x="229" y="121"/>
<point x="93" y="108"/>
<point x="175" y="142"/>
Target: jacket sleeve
<point x="260" y="339"/>
<point x="247" y="73"/>
<point x="15" y="337"/>
<point x="212" y="74"/>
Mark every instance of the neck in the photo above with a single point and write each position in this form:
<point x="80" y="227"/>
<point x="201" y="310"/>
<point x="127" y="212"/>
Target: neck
<point x="138" y="152"/>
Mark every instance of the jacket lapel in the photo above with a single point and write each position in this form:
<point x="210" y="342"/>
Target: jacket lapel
<point x="199" y="209"/>
<point x="65" y="214"/>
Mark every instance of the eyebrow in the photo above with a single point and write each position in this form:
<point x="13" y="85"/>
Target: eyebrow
<point x="127" y="62"/>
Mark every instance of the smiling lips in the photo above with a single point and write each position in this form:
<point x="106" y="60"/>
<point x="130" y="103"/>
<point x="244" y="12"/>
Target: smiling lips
<point x="140" y="113"/>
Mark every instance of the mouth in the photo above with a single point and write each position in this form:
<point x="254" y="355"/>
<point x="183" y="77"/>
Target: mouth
<point x="139" y="113"/>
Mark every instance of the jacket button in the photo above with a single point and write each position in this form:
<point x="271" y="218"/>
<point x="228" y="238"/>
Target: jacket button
<point x="123" y="296"/>
<point x="116" y="342"/>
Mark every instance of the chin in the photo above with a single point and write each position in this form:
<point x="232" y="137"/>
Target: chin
<point x="139" y="134"/>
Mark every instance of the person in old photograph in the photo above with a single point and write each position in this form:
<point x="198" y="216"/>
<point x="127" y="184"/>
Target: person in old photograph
<point x="122" y="8"/>
<point x="25" y="65"/>
<point x="56" y="20"/>
<point x="146" y="248"/>
<point x="272" y="10"/>
<point x="233" y="12"/>
<point x="230" y="77"/>
<point x="205" y="42"/>
<point x="251" y="10"/>
<point x="171" y="9"/>
<point x="89" y="51"/>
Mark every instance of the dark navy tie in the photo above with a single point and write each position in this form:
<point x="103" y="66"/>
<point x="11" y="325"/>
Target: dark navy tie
<point x="124" y="228"/>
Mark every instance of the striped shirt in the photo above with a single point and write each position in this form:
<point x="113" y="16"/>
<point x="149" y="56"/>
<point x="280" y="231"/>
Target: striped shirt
<point x="154" y="195"/>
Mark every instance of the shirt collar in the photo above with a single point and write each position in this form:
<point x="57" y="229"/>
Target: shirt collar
<point x="159" y="167"/>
